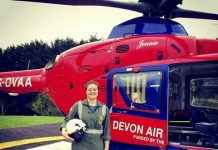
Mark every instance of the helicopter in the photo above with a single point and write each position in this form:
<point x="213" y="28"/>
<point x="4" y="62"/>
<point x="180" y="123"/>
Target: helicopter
<point x="159" y="83"/>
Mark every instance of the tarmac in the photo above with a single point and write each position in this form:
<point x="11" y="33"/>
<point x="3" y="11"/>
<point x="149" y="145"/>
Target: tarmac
<point x="62" y="145"/>
<point x="39" y="137"/>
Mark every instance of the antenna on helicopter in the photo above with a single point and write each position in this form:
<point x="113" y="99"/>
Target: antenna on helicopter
<point x="28" y="65"/>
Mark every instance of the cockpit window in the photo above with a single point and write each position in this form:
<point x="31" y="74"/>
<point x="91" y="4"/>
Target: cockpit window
<point x="153" y="28"/>
<point x="204" y="93"/>
<point x="144" y="28"/>
<point x="122" y="30"/>
<point x="143" y="89"/>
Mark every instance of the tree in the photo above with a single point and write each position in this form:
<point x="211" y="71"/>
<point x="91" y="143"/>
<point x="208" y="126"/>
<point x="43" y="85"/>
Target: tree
<point x="3" y="106"/>
<point x="60" y="45"/>
<point x="3" y="103"/>
<point x="94" y="38"/>
<point x="44" y="107"/>
<point x="1" y="57"/>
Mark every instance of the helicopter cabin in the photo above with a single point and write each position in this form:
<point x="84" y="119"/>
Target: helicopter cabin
<point x="165" y="105"/>
<point x="193" y="104"/>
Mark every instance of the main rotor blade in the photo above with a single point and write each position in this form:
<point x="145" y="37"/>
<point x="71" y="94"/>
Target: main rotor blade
<point x="163" y="4"/>
<point x="165" y="8"/>
<point x="184" y="13"/>
<point x="129" y="5"/>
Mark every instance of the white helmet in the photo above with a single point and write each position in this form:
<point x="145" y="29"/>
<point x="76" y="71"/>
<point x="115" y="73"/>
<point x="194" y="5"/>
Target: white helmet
<point x="76" y="129"/>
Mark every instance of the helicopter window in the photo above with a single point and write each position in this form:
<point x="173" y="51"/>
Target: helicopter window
<point x="178" y="29"/>
<point x="154" y="28"/>
<point x="147" y="28"/>
<point x="52" y="62"/>
<point x="151" y="28"/>
<point x="204" y="93"/>
<point x="121" y="30"/>
<point x="140" y="89"/>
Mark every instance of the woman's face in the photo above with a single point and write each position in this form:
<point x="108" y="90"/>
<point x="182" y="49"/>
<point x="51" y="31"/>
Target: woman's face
<point x="92" y="91"/>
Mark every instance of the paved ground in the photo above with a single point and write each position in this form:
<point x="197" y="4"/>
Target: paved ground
<point x="38" y="131"/>
<point x="55" y="145"/>
<point x="62" y="145"/>
<point x="29" y="132"/>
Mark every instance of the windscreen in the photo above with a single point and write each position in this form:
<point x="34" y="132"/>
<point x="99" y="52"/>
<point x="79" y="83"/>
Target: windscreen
<point x="204" y="92"/>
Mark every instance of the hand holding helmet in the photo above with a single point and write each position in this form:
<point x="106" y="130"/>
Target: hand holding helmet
<point x="65" y="135"/>
<point x="76" y="129"/>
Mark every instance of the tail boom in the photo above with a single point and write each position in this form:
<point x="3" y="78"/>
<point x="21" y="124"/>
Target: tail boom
<point x="22" y="81"/>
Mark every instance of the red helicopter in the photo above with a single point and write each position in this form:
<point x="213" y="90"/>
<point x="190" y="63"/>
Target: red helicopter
<point x="160" y="84"/>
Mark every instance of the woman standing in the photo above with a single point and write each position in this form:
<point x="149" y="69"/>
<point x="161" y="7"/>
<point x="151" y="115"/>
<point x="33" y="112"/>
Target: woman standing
<point x="97" y="136"/>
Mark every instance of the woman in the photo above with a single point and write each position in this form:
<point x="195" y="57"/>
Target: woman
<point x="92" y="116"/>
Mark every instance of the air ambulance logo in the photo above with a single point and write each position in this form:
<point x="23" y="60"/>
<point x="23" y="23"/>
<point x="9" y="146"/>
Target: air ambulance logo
<point x="148" y="133"/>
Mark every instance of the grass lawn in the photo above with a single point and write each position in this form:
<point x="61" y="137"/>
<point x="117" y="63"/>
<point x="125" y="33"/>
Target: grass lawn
<point x="22" y="121"/>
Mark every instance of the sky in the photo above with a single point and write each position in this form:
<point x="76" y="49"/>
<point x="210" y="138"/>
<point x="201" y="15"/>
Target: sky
<point x="22" y="22"/>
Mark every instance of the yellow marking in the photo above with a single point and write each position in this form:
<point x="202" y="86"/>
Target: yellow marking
<point x="29" y="141"/>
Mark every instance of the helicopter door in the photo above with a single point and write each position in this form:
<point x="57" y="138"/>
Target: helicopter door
<point x="138" y="104"/>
